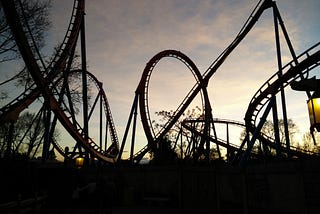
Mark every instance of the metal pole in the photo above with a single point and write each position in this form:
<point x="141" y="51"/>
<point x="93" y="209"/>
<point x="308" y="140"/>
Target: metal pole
<point x="283" y="98"/>
<point x="46" y="144"/>
<point x="10" y="140"/>
<point x="133" y="134"/>
<point x="285" y="33"/>
<point x="276" y="126"/>
<point x="101" y="107"/>
<point x="134" y="106"/>
<point x="228" y="142"/>
<point x="181" y="146"/>
<point x="256" y="133"/>
<point x="84" y="79"/>
<point x="106" y="135"/>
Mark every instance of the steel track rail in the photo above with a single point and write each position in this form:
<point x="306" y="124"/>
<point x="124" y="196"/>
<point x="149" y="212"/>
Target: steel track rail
<point x="219" y="141"/>
<point x="143" y="85"/>
<point x="267" y="139"/>
<point x="107" y="109"/>
<point x="43" y="84"/>
<point x="142" y="90"/>
<point x="305" y="62"/>
<point x="11" y="111"/>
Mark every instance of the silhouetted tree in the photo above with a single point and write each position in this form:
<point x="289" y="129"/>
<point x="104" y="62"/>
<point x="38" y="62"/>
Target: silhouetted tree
<point x="173" y="134"/>
<point x="165" y="116"/>
<point x="35" y="16"/>
<point x="164" y="153"/>
<point x="308" y="143"/>
<point x="268" y="131"/>
<point x="27" y="137"/>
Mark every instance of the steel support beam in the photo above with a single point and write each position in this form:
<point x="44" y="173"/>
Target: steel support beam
<point x="283" y="97"/>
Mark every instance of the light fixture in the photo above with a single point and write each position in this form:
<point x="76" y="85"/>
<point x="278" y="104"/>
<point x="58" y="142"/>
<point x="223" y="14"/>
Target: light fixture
<point x="314" y="111"/>
<point x="79" y="162"/>
<point x="312" y="84"/>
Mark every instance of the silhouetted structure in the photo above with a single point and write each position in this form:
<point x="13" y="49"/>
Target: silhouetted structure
<point x="197" y="183"/>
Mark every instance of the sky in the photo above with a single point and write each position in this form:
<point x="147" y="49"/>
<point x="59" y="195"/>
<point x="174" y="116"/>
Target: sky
<point x="123" y="35"/>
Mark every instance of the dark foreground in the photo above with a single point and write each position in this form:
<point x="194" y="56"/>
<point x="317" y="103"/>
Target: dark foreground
<point x="277" y="187"/>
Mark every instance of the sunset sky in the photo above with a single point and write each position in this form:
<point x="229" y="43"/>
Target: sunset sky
<point x="123" y="35"/>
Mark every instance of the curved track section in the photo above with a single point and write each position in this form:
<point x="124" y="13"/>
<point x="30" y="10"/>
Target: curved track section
<point x="307" y="61"/>
<point x="237" y="148"/>
<point x="142" y="90"/>
<point x="11" y="111"/>
<point x="106" y="120"/>
<point x="59" y="62"/>
<point x="43" y="82"/>
<point x="143" y="85"/>
<point x="189" y="125"/>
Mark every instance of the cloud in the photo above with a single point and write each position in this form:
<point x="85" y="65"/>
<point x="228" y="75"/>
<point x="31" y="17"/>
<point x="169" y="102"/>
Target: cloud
<point x="123" y="35"/>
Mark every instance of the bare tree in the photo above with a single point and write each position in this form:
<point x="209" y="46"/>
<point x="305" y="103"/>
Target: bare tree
<point x="167" y="145"/>
<point x="308" y="142"/>
<point x="34" y="15"/>
<point x="28" y="135"/>
<point x="268" y="130"/>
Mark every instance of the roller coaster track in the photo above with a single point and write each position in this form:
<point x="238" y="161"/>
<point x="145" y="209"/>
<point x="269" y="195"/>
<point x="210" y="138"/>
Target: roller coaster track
<point x="113" y="148"/>
<point x="107" y="110"/>
<point x="295" y="69"/>
<point x="201" y="83"/>
<point x="265" y="138"/>
<point x="142" y="90"/>
<point x="299" y="152"/>
<point x="11" y="111"/>
<point x="300" y="65"/>
<point x="220" y="142"/>
<point x="46" y="80"/>
<point x="143" y="87"/>
<point x="307" y="61"/>
<point x="58" y="64"/>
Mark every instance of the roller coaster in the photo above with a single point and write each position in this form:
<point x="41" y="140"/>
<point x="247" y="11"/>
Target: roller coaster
<point x="54" y="85"/>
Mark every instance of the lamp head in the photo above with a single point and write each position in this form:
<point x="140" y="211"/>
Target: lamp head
<point x="314" y="111"/>
<point x="79" y="162"/>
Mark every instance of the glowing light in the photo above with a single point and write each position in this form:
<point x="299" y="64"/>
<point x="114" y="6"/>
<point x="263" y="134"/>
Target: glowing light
<point x="79" y="162"/>
<point x="314" y="112"/>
